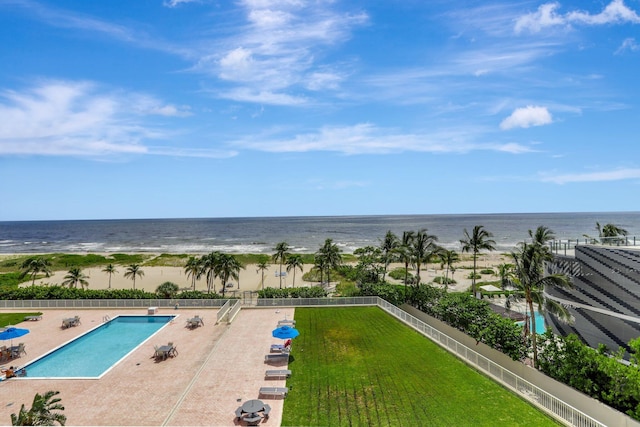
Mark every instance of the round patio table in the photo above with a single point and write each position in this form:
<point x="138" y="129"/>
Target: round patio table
<point x="252" y="406"/>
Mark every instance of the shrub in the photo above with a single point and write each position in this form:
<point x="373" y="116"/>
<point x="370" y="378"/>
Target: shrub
<point x="487" y="271"/>
<point x="444" y="280"/>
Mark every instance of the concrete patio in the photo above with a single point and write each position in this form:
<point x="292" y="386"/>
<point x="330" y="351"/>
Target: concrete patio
<point x="218" y="368"/>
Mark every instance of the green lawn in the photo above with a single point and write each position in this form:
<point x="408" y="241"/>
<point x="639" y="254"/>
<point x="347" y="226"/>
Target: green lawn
<point x="14" y="319"/>
<point x="360" y="366"/>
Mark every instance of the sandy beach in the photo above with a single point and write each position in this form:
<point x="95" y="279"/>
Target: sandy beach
<point x="250" y="279"/>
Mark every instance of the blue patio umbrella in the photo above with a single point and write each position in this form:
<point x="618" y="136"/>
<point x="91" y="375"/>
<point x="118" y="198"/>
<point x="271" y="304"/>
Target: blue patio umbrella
<point x="12" y="332"/>
<point x="285" y="332"/>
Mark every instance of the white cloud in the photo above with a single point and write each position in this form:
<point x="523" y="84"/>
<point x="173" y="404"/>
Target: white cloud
<point x="615" y="175"/>
<point x="546" y="16"/>
<point x="176" y="3"/>
<point x="628" y="44"/>
<point x="276" y="50"/>
<point x="365" y="138"/>
<point x="527" y="117"/>
<point x="62" y="118"/>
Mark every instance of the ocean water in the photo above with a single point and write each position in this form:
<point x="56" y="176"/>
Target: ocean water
<point x="303" y="234"/>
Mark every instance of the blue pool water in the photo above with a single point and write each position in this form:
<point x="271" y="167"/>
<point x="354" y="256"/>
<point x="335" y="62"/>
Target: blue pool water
<point x="92" y="354"/>
<point x="540" y="325"/>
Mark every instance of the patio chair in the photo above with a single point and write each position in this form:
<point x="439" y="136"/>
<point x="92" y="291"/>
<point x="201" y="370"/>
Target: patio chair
<point x="239" y="412"/>
<point x="267" y="409"/>
<point x="76" y="320"/>
<point x="18" y="351"/>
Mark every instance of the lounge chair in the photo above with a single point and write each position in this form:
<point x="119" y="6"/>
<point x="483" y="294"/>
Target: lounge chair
<point x="274" y="391"/>
<point x="277" y="373"/>
<point x="281" y="357"/>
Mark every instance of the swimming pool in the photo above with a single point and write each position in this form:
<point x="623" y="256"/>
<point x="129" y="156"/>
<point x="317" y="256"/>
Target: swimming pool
<point x="91" y="355"/>
<point x="540" y="324"/>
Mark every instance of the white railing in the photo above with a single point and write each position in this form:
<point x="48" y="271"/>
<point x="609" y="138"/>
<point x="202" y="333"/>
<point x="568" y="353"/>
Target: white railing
<point x="223" y="311"/>
<point x="110" y="303"/>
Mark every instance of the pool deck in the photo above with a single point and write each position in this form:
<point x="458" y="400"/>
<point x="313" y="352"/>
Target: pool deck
<point x="218" y="368"/>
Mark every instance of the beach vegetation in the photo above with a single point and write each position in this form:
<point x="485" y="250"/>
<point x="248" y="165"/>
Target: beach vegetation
<point x="371" y="267"/>
<point x="35" y="265"/>
<point x="347" y="288"/>
<point x="479" y="240"/>
<point x="443" y="280"/>
<point x="487" y="271"/>
<point x="474" y="276"/>
<point x="167" y="260"/>
<point x="399" y="274"/>
<point x="11" y="280"/>
<point x="56" y="292"/>
<point x="44" y="411"/>
<point x="360" y="366"/>
<point x="167" y="290"/>
<point x="302" y="292"/>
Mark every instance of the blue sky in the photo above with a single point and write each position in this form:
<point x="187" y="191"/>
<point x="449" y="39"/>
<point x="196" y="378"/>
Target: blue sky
<point x="197" y="108"/>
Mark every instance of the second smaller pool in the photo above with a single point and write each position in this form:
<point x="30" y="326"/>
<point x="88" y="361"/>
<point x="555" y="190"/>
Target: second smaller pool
<point x="540" y="325"/>
<point x="92" y="354"/>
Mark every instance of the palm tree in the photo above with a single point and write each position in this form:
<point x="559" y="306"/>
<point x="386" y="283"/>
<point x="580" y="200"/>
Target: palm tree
<point x="530" y="279"/>
<point x="294" y="262"/>
<point x="41" y="412"/>
<point x="423" y="246"/>
<point x="263" y="265"/>
<point x="228" y="267"/>
<point x="110" y="269"/>
<point x="610" y="233"/>
<point x="532" y="258"/>
<point x="329" y="253"/>
<point x="132" y="272"/>
<point x="480" y="239"/>
<point x="319" y="264"/>
<point x="403" y="252"/>
<point x="74" y="277"/>
<point x="447" y="259"/>
<point x="505" y="272"/>
<point x="192" y="270"/>
<point x="209" y="268"/>
<point x="281" y="254"/>
<point x="33" y="266"/>
<point x="389" y="244"/>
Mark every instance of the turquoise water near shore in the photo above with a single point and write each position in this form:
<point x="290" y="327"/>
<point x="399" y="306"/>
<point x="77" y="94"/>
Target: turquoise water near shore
<point x="304" y="234"/>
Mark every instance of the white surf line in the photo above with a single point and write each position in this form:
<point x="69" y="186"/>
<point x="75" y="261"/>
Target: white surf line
<point x="193" y="380"/>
